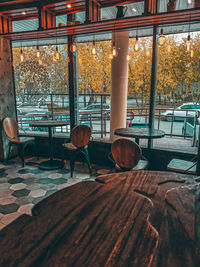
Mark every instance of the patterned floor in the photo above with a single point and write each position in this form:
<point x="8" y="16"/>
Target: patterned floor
<point x="21" y="188"/>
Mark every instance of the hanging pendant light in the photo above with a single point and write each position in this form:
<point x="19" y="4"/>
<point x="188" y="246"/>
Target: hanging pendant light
<point x="148" y="53"/>
<point x="73" y="47"/>
<point x="188" y="43"/>
<point x="189" y="2"/>
<point x="21" y="54"/>
<point x="161" y="37"/>
<point x="136" y="46"/>
<point x="56" y="54"/>
<point x="114" y="49"/>
<point x="37" y="49"/>
<point x="192" y="53"/>
<point x="93" y="48"/>
<point x="189" y="39"/>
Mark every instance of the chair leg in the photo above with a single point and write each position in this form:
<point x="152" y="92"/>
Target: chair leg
<point x="22" y="154"/>
<point x="72" y="167"/>
<point x="71" y="159"/>
<point x="8" y="154"/>
<point x="88" y="160"/>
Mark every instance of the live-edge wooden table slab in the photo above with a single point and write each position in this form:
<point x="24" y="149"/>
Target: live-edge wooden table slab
<point x="137" y="218"/>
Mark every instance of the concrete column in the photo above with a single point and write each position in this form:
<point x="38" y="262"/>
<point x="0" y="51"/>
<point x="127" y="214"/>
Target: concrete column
<point x="7" y="93"/>
<point x="119" y="83"/>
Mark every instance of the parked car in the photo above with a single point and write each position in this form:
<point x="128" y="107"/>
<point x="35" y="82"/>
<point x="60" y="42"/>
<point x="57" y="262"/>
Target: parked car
<point x="28" y="108"/>
<point x="191" y="128"/>
<point x="139" y="122"/>
<point x="180" y="112"/>
<point x="93" y="112"/>
<point x="97" y="107"/>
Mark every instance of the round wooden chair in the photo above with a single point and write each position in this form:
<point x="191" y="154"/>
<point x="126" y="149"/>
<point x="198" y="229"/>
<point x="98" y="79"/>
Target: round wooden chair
<point x="127" y="154"/>
<point x="80" y="137"/>
<point x="11" y="129"/>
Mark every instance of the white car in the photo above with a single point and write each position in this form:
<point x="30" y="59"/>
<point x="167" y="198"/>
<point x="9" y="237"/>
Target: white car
<point x="180" y="112"/>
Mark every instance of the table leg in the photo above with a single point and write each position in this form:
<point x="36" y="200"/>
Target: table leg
<point x="51" y="164"/>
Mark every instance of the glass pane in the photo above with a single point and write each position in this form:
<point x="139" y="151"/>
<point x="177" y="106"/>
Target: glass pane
<point x="41" y="85"/>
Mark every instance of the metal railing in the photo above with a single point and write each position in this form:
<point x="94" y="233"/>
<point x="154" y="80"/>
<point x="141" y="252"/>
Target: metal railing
<point x="57" y="107"/>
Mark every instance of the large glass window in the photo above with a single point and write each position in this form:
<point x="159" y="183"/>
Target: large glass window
<point x="41" y="84"/>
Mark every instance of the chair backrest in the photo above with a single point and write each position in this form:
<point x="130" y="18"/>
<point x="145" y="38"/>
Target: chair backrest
<point x="10" y="127"/>
<point x="80" y="135"/>
<point x="126" y="153"/>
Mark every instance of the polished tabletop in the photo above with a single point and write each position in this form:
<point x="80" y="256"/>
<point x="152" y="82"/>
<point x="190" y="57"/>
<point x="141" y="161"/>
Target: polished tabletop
<point x="145" y="133"/>
<point x="47" y="123"/>
<point x="136" y="218"/>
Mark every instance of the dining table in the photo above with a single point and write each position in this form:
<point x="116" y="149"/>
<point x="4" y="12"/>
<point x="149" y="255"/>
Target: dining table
<point x="134" y="218"/>
<point x="50" y="164"/>
<point x="139" y="133"/>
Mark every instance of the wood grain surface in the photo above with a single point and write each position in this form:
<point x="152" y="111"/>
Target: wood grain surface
<point x="137" y="218"/>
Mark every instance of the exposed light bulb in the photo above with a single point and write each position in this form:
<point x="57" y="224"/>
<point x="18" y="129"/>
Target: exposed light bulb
<point x="189" y="1"/>
<point x="23" y="13"/>
<point x="192" y="53"/>
<point x="169" y="48"/>
<point x="136" y="46"/>
<point x="94" y="49"/>
<point x="161" y="38"/>
<point x="57" y="55"/>
<point x="38" y="52"/>
<point x="134" y="9"/>
<point x="188" y="43"/>
<point x="73" y="48"/>
<point x="114" y="51"/>
<point x="128" y="57"/>
<point x="21" y="55"/>
<point x="69" y="5"/>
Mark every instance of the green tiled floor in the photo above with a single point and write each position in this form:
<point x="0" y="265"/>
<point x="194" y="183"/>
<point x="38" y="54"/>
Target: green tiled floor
<point x="21" y="188"/>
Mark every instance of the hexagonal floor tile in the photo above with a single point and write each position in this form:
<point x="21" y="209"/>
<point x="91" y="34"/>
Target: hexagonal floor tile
<point x="15" y="180"/>
<point x="21" y="192"/>
<point x="37" y="193"/>
<point x="54" y="175"/>
<point x="26" y="208"/>
<point x="18" y="186"/>
<point x="7" y="200"/>
<point x="9" y="208"/>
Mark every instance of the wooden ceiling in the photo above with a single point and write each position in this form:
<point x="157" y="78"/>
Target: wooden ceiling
<point x="28" y="9"/>
<point x="14" y="10"/>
